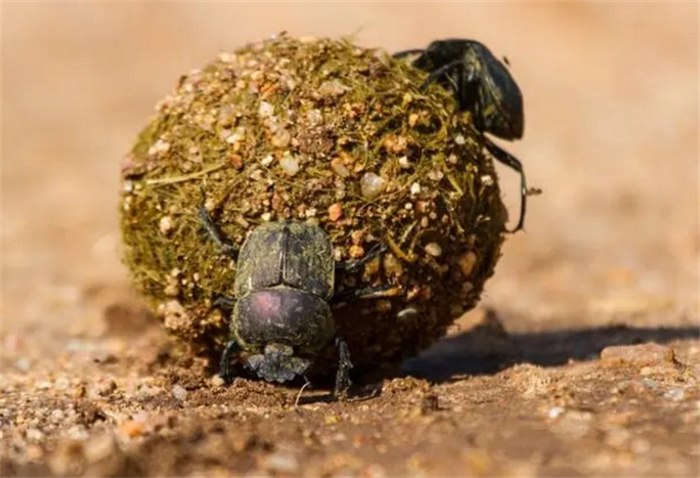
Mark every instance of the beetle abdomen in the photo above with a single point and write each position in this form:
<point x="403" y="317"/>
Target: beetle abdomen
<point x="286" y="316"/>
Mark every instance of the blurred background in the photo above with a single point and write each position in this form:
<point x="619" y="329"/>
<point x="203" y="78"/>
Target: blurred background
<point x="611" y="136"/>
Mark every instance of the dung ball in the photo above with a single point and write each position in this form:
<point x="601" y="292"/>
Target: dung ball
<point x="324" y="131"/>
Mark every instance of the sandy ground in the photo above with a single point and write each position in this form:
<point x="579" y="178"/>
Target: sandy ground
<point x="530" y="383"/>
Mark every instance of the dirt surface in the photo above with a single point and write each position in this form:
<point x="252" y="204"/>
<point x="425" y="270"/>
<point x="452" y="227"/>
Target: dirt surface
<point x="582" y="358"/>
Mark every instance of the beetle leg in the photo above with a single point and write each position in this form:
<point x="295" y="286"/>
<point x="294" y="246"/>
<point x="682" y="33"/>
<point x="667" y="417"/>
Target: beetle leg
<point x="225" y="371"/>
<point x="440" y="72"/>
<point x="352" y="265"/>
<point x="216" y="235"/>
<point x="374" y="292"/>
<point x="223" y="302"/>
<point x="514" y="163"/>
<point x="404" y="53"/>
<point x="342" y="377"/>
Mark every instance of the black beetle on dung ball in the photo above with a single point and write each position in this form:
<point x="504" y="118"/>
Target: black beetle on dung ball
<point x="483" y="86"/>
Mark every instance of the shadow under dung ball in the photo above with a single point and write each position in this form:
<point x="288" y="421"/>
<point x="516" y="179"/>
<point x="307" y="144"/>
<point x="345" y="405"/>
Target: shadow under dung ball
<point x="322" y="131"/>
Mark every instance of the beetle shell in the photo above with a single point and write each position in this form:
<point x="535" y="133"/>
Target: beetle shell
<point x="292" y="253"/>
<point x="285" y="278"/>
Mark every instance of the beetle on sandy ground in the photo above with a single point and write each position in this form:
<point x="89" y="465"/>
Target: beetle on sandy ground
<point x="483" y="86"/>
<point x="285" y="282"/>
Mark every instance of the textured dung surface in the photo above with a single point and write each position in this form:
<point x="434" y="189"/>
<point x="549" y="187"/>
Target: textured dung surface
<point x="581" y="358"/>
<point x="323" y="131"/>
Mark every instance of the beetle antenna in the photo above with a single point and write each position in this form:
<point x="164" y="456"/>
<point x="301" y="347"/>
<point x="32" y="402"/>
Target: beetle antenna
<point x="216" y="235"/>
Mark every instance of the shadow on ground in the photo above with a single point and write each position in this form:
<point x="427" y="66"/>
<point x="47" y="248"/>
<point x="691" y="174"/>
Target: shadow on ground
<point x="487" y="348"/>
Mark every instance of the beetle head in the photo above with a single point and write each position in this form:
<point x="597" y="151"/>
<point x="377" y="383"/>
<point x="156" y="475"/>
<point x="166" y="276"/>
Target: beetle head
<point x="278" y="364"/>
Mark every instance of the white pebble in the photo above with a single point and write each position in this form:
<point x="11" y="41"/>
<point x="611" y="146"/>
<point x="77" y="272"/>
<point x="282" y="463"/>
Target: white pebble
<point x="371" y="185"/>
<point x="159" y="146"/>
<point x="281" y="462"/>
<point x="554" y="412"/>
<point x="179" y="393"/>
<point x="487" y="180"/>
<point x="435" y="175"/>
<point x="282" y="138"/>
<point x="315" y="117"/>
<point x="332" y="88"/>
<point x="433" y="249"/>
<point x="266" y="109"/>
<point x="460" y="140"/>
<point x="267" y="160"/>
<point x="404" y="162"/>
<point x="675" y="394"/>
<point x="289" y="165"/>
<point x="165" y="224"/>
<point x="237" y="136"/>
<point x="415" y="189"/>
<point x="34" y="435"/>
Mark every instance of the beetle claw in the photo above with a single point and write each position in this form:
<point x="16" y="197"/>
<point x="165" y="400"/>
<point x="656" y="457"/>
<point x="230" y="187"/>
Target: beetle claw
<point x="342" y="377"/>
<point x="225" y="371"/>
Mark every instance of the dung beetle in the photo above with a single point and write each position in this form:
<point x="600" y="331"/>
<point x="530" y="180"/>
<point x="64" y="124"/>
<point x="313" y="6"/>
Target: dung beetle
<point x="483" y="86"/>
<point x="285" y="282"/>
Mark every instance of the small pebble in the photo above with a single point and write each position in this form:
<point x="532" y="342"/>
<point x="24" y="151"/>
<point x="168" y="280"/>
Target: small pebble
<point x="332" y="89"/>
<point x="435" y="175"/>
<point x="675" y="394"/>
<point x="466" y="262"/>
<point x="131" y="428"/>
<point x="158" y="147"/>
<point x="339" y="168"/>
<point x="404" y="162"/>
<point x="315" y="117"/>
<point x="34" y="435"/>
<point x="237" y="136"/>
<point x="356" y="251"/>
<point x="179" y="393"/>
<point x="165" y="224"/>
<point x="415" y="189"/>
<point x="335" y="212"/>
<point x="433" y="249"/>
<point x="267" y="160"/>
<point x="282" y="462"/>
<point x="107" y="387"/>
<point x="265" y="109"/>
<point x="282" y="138"/>
<point x="371" y="185"/>
<point x="289" y="165"/>
<point x="459" y="139"/>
